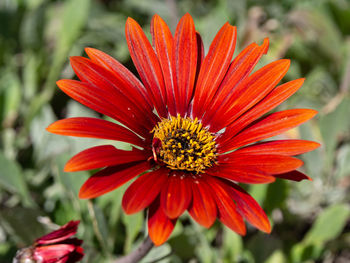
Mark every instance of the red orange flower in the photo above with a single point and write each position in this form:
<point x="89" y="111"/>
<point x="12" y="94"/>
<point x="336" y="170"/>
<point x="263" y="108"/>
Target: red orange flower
<point x="55" y="247"/>
<point x="195" y="121"/>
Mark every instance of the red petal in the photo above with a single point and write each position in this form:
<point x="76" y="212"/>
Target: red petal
<point x="144" y="190"/>
<point x="102" y="156"/>
<point x="214" y="68"/>
<point x="60" y="234"/>
<point x="176" y="195"/>
<point x="185" y="62"/>
<point x="282" y="147"/>
<point x="272" y="164"/>
<point x="247" y="175"/>
<point x="227" y="209"/>
<point x="248" y="207"/>
<point x="294" y="176"/>
<point x="159" y="225"/>
<point x="147" y="65"/>
<point x="53" y="253"/>
<point x="203" y="208"/>
<point x="94" y="128"/>
<point x="271" y="125"/>
<point x="111" y="178"/>
<point x="250" y="92"/>
<point x="125" y="80"/>
<point x="272" y="100"/>
<point x="163" y="43"/>
<point x="98" y="99"/>
<point x="200" y="55"/>
<point x="239" y="69"/>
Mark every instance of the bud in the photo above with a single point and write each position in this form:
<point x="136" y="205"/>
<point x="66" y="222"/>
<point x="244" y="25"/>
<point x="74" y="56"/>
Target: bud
<point x="55" y="247"/>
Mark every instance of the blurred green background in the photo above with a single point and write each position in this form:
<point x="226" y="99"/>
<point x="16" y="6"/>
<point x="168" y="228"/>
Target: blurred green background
<point x="310" y="219"/>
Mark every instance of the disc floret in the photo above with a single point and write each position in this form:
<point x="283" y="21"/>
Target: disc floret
<point x="184" y="144"/>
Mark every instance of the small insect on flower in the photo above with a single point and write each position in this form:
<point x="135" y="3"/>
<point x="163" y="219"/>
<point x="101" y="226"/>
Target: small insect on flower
<point x="55" y="247"/>
<point x="196" y="122"/>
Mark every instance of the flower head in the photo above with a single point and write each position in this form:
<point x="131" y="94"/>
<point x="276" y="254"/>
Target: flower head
<point x="196" y="122"/>
<point x="55" y="247"/>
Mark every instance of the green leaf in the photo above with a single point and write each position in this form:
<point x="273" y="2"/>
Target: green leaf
<point x="262" y="246"/>
<point x="313" y="160"/>
<point x="12" y="179"/>
<point x="276" y="195"/>
<point x="45" y="144"/>
<point x="343" y="161"/>
<point x="303" y="252"/>
<point x="74" y="18"/>
<point x="332" y="126"/>
<point x="258" y="192"/>
<point x="277" y="257"/>
<point x="22" y="224"/>
<point x="157" y="253"/>
<point x="71" y="181"/>
<point x="232" y="246"/>
<point x="329" y="224"/>
<point x="133" y="224"/>
<point x="75" y="15"/>
<point x="31" y="75"/>
<point x="99" y="221"/>
<point x="11" y="93"/>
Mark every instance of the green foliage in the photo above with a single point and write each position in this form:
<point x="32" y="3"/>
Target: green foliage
<point x="310" y="219"/>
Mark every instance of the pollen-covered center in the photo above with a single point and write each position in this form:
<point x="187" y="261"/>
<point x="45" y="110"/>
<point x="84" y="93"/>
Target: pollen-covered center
<point x="184" y="144"/>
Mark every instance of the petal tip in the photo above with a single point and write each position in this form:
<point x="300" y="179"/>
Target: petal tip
<point x="156" y="16"/>
<point x="265" y="45"/>
<point x="90" y="50"/>
<point x="130" y="22"/>
<point x="68" y="168"/>
<point x="73" y="59"/>
<point x="51" y="128"/>
<point x="84" y="194"/>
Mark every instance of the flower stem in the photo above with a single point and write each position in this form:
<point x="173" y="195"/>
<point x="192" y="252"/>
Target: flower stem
<point x="138" y="253"/>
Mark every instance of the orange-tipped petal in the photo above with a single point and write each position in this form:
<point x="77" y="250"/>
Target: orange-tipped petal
<point x="102" y="156"/>
<point x="147" y="64"/>
<point x="248" y="207"/>
<point x="203" y="208"/>
<point x="163" y="43"/>
<point x="111" y="178"/>
<point x="144" y="190"/>
<point x="200" y="55"/>
<point x="227" y="209"/>
<point x="214" y="68"/>
<point x="94" y="128"/>
<point x="176" y="195"/>
<point x="184" y="62"/>
<point x="159" y="225"/>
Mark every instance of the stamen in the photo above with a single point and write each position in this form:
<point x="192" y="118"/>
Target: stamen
<point x="184" y="144"/>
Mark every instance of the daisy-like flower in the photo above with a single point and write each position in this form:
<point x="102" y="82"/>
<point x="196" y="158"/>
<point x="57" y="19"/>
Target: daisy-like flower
<point x="195" y="121"/>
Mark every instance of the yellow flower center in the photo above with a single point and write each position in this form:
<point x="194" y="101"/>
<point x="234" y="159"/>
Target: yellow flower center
<point x="184" y="144"/>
